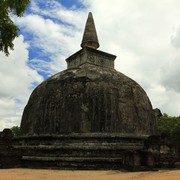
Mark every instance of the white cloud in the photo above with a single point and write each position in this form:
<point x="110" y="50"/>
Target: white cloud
<point x="57" y="41"/>
<point x="175" y="39"/>
<point x="16" y="79"/>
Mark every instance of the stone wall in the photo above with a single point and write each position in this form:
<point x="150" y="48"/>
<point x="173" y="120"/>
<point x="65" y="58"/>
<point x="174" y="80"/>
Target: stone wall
<point x="9" y="157"/>
<point x="165" y="151"/>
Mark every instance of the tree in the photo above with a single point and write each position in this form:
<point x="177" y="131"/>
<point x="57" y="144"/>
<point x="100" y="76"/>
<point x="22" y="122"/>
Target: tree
<point x="169" y="125"/>
<point x="15" y="130"/>
<point x="8" y="30"/>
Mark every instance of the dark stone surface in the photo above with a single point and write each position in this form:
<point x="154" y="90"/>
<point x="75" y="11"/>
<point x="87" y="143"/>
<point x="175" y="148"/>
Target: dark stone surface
<point x="7" y="134"/>
<point x="9" y="157"/>
<point x="157" y="113"/>
<point x="88" y="98"/>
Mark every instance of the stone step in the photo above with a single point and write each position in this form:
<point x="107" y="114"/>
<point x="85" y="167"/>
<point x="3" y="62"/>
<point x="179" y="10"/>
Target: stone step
<point x="63" y="151"/>
<point x="77" y="150"/>
<point x="74" y="152"/>
<point x="78" y="138"/>
<point x="79" y="146"/>
<point x="72" y="159"/>
<point x="72" y="162"/>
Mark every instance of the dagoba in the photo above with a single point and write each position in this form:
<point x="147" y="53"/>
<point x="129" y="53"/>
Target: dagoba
<point x="90" y="96"/>
<point x="89" y="116"/>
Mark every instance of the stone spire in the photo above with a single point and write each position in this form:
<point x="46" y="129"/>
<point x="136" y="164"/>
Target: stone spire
<point x="90" y="38"/>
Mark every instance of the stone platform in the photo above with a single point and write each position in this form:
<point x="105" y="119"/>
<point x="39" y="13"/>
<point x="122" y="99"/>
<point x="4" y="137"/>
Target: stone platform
<point x="80" y="151"/>
<point x="88" y="151"/>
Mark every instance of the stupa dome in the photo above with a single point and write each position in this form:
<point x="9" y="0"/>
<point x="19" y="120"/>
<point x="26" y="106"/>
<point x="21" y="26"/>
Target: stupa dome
<point x="90" y="96"/>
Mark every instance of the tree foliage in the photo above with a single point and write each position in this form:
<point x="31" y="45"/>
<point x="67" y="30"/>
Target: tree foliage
<point x="8" y="30"/>
<point x="169" y="125"/>
<point x="15" y="130"/>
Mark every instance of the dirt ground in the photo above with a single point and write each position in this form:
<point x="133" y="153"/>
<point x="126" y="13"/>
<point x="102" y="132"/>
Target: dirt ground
<point x="34" y="174"/>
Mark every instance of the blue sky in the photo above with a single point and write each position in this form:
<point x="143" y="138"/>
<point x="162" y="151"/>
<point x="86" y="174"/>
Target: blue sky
<point x="34" y="8"/>
<point x="144" y="35"/>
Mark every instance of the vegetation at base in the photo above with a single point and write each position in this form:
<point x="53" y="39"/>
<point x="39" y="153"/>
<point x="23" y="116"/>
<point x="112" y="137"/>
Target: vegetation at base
<point x="170" y="126"/>
<point x="8" y="30"/>
<point x="15" y="130"/>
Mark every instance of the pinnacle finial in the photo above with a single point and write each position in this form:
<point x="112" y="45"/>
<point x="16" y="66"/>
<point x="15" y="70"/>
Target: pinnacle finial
<point x="90" y="38"/>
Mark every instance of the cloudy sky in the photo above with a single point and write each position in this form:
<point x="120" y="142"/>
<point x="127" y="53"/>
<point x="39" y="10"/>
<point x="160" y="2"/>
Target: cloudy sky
<point x="145" y="36"/>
